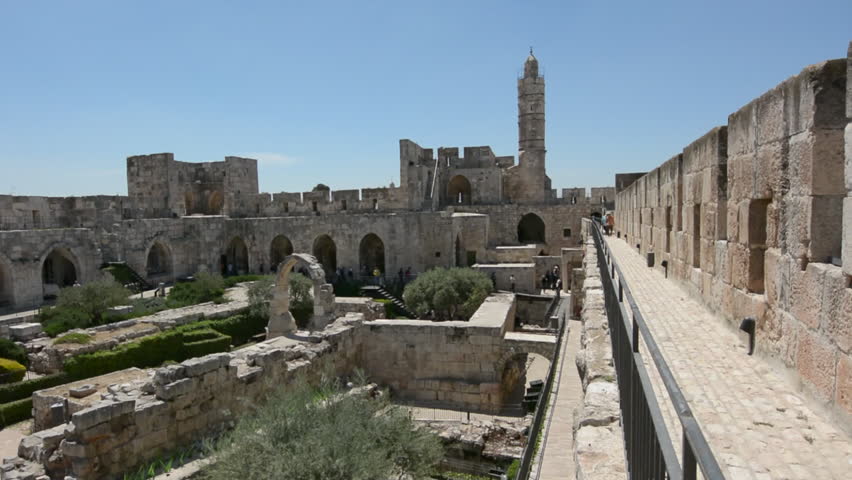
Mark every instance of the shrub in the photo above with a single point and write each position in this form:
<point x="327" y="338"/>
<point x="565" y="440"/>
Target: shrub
<point x="512" y="471"/>
<point x="59" y="320"/>
<point x="241" y="328"/>
<point x="207" y="287"/>
<point x="11" y="371"/>
<point x="24" y="389"/>
<point x="94" y="298"/>
<point x="13" y="351"/>
<point x="326" y="434"/>
<point x="259" y="295"/>
<point x="447" y="294"/>
<point x="14" y="412"/>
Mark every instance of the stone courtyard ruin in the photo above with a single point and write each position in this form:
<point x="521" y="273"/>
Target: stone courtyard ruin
<point x="751" y="221"/>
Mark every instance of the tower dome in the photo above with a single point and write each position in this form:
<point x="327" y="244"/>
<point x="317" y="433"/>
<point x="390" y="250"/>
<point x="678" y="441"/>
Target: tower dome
<point x="531" y="66"/>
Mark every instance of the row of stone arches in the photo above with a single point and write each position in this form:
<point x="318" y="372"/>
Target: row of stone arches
<point x="371" y="254"/>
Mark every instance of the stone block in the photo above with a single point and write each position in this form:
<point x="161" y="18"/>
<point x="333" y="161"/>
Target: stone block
<point x="836" y="315"/>
<point x="739" y="262"/>
<point x="846" y="247"/>
<point x="843" y="394"/>
<point x="825" y="230"/>
<point x="599" y="453"/>
<point x="816" y="360"/>
<point x="768" y="170"/>
<point x="742" y="134"/>
<point x="815" y="158"/>
<point x="807" y="294"/>
<point x="816" y="97"/>
<point x="25" y="331"/>
<point x="770" y="116"/>
<point x="174" y="389"/>
<point x="848" y="141"/>
<point x="600" y="404"/>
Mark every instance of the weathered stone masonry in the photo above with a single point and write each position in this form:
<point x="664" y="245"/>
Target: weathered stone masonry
<point x="754" y="217"/>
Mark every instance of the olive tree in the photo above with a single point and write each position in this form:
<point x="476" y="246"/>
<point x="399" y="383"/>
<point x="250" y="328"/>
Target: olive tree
<point x="321" y="433"/>
<point x="447" y="294"/>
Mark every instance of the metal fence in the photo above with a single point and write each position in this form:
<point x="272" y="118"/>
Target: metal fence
<point x="649" y="448"/>
<point x="538" y="417"/>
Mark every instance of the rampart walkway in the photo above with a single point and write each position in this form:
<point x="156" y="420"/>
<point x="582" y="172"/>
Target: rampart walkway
<point x="557" y="457"/>
<point x="756" y="422"/>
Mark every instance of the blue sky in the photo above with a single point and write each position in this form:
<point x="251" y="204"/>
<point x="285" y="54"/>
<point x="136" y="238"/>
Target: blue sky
<point x="323" y="91"/>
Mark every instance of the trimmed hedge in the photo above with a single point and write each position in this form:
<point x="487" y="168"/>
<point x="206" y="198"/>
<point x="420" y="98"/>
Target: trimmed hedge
<point x="239" y="327"/>
<point x="25" y="389"/>
<point x="148" y="352"/>
<point x="221" y="343"/>
<point x="11" y="371"/>
<point x="14" y="412"/>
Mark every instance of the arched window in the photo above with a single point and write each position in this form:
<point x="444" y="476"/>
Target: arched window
<point x="371" y="254"/>
<point x="281" y="247"/>
<point x="326" y="252"/>
<point x="236" y="257"/>
<point x="159" y="262"/>
<point x="459" y="191"/>
<point x="531" y="229"/>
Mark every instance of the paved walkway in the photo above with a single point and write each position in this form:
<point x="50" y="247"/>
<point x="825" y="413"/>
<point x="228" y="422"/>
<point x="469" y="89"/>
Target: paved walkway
<point x="557" y="457"/>
<point x="757" y="423"/>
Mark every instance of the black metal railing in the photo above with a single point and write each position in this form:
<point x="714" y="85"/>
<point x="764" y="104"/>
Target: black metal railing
<point x="538" y="417"/>
<point x="649" y="449"/>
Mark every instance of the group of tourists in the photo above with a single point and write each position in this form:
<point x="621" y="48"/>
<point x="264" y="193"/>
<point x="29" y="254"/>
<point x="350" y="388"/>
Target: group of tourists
<point x="551" y="280"/>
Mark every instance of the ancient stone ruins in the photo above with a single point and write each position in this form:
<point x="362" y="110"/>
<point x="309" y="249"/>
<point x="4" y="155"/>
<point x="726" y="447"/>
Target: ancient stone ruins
<point x="750" y="223"/>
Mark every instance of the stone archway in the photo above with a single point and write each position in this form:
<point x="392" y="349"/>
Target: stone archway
<point x="215" y="202"/>
<point x="371" y="254"/>
<point x="281" y="321"/>
<point x="158" y="265"/>
<point x="531" y="229"/>
<point x="58" y="270"/>
<point x="236" y="257"/>
<point x="325" y="252"/>
<point x="459" y="191"/>
<point x="280" y="248"/>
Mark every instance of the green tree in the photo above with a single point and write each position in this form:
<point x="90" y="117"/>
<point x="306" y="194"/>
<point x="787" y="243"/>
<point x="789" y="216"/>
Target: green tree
<point x="94" y="298"/>
<point x="320" y="433"/>
<point x="447" y="294"/>
<point x="207" y="287"/>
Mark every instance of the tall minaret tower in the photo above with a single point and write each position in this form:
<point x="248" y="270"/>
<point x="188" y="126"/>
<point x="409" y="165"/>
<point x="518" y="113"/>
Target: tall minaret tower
<point x="531" y="114"/>
<point x="530" y="183"/>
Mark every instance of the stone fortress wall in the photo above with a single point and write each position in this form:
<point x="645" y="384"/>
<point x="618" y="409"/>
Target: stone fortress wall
<point x="179" y="218"/>
<point x="755" y="217"/>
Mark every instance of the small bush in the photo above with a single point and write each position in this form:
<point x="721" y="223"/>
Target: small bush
<point x="13" y="351"/>
<point x="24" y="389"/>
<point x="94" y="298"/>
<point x="11" y="371"/>
<point x="14" y="412"/>
<point x="512" y="471"/>
<point x="57" y="320"/>
<point x="447" y="294"/>
<point x="206" y="288"/>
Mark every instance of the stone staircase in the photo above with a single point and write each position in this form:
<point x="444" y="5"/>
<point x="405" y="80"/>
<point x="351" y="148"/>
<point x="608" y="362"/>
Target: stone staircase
<point x="377" y="291"/>
<point x="127" y="276"/>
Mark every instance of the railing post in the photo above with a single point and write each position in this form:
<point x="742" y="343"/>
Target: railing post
<point x="689" y="463"/>
<point x="635" y="334"/>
